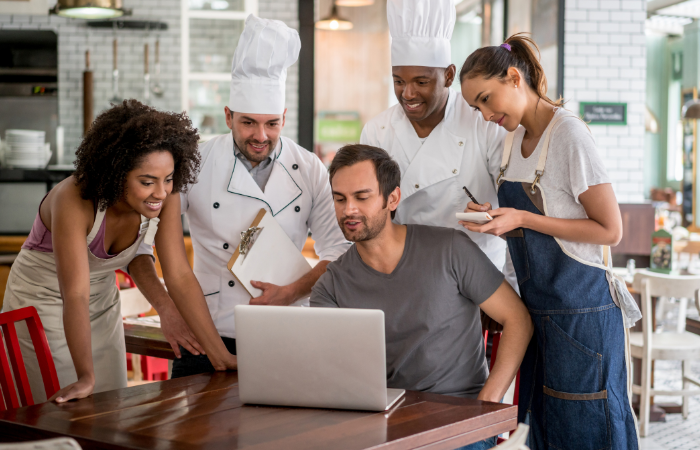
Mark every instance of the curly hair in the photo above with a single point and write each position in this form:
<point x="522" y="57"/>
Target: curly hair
<point x="121" y="137"/>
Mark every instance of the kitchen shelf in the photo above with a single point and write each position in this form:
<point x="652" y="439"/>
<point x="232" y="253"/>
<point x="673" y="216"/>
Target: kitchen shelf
<point x="48" y="176"/>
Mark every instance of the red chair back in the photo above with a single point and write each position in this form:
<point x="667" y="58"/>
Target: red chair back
<point x="43" y="354"/>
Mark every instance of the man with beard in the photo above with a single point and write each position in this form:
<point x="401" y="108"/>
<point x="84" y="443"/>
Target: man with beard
<point x="252" y="167"/>
<point x="429" y="281"/>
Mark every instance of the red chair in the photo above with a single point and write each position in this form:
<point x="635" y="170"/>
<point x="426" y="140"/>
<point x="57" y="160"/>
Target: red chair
<point x="43" y="354"/>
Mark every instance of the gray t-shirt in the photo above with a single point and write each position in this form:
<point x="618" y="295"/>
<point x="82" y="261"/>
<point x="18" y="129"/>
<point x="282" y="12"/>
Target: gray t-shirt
<point x="430" y="302"/>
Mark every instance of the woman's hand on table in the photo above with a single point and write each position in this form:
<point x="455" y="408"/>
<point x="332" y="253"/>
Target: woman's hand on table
<point x="80" y="389"/>
<point x="226" y="362"/>
<point x="178" y="333"/>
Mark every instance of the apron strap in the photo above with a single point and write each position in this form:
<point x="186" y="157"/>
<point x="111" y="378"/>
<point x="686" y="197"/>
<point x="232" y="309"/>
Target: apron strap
<point x="507" y="149"/>
<point x="99" y="217"/>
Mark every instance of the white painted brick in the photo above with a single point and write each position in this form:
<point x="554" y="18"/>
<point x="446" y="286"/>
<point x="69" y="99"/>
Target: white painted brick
<point x="609" y="72"/>
<point x="620" y="39"/>
<point x="585" y="72"/>
<point x="610" y="4"/>
<point x="598" y="61"/>
<point x="621" y="61"/>
<point x="599" y="16"/>
<point x="631" y="73"/>
<point x="617" y="130"/>
<point x="587" y="95"/>
<point x="618" y="84"/>
<point x="609" y="27"/>
<point x="606" y="141"/>
<point x="609" y="96"/>
<point x="632" y="50"/>
<point x="586" y="27"/>
<point x="597" y="84"/>
<point x="638" y="5"/>
<point x="587" y="4"/>
<point x="571" y="38"/>
<point x="598" y="38"/>
<point x="576" y="15"/>
<point x="576" y="61"/>
<point x="639" y="16"/>
<point x="587" y="49"/>
<point x="620" y="16"/>
<point x="634" y="27"/>
<point x="609" y="50"/>
<point x="576" y="83"/>
<point x="636" y="175"/>
<point x="570" y="50"/>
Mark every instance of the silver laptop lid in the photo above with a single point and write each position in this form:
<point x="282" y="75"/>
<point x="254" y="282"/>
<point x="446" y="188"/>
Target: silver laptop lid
<point x="313" y="357"/>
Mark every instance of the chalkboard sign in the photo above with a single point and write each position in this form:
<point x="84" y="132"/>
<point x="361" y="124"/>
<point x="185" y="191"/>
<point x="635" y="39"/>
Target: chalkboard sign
<point x="604" y="113"/>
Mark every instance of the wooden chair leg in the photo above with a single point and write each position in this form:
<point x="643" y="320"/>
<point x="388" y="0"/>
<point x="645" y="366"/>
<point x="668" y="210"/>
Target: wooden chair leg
<point x="644" y="398"/>
<point x="686" y="385"/>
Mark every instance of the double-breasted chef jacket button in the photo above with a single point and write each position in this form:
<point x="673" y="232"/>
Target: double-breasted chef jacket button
<point x="454" y="171"/>
<point x="295" y="166"/>
<point x="216" y="205"/>
<point x="231" y="283"/>
<point x="417" y="186"/>
<point x="225" y="246"/>
<point x="297" y="209"/>
<point x="461" y="143"/>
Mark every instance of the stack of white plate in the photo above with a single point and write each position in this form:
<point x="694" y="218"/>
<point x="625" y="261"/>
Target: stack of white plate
<point x="26" y="149"/>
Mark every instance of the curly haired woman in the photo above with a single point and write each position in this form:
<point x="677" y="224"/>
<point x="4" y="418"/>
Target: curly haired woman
<point x="131" y="161"/>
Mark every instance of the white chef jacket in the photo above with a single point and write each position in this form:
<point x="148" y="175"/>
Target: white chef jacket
<point x="225" y="201"/>
<point x="463" y="150"/>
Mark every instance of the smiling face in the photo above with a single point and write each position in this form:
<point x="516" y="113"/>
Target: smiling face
<point x="360" y="207"/>
<point x="150" y="183"/>
<point x="422" y="91"/>
<point x="256" y="135"/>
<point x="500" y="101"/>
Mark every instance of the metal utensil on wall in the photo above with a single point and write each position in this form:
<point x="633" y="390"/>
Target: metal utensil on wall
<point x="87" y="97"/>
<point x="146" y="77"/>
<point x="157" y="89"/>
<point x="116" y="96"/>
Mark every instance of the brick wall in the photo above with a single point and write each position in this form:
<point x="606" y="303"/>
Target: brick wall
<point x="605" y="61"/>
<point x="74" y="37"/>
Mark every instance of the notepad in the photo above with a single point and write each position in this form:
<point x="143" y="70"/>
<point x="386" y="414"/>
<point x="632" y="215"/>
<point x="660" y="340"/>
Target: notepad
<point x="272" y="257"/>
<point x="475" y="217"/>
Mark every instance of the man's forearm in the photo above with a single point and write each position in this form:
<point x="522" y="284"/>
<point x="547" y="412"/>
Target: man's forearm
<point x="143" y="271"/>
<point x="302" y="287"/>
<point x="511" y="349"/>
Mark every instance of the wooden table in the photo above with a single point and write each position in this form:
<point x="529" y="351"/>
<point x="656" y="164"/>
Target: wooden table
<point x="149" y="341"/>
<point x="204" y="411"/>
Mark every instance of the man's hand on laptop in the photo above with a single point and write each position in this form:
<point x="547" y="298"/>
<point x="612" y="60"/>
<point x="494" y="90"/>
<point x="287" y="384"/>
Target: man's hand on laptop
<point x="273" y="294"/>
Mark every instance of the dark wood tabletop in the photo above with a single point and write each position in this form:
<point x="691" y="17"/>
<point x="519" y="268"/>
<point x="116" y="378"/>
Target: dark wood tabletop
<point x="145" y="340"/>
<point x="204" y="412"/>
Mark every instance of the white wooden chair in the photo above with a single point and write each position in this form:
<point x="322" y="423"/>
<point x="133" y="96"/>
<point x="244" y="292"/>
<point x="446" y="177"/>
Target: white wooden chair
<point x="648" y="345"/>
<point x="517" y="439"/>
<point x="62" y="443"/>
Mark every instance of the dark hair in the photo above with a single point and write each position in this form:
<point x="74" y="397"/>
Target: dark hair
<point x="387" y="170"/>
<point x="121" y="137"/>
<point x="494" y="61"/>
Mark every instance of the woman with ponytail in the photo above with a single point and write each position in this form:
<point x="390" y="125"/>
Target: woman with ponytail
<point x="559" y="215"/>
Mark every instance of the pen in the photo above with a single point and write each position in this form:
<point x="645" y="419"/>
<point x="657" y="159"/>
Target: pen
<point x="470" y="195"/>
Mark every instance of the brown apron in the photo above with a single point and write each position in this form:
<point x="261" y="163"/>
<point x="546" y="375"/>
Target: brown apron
<point x="33" y="282"/>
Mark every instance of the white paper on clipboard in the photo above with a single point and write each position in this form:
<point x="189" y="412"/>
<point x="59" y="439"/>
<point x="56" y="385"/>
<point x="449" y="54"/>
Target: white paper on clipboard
<point x="273" y="257"/>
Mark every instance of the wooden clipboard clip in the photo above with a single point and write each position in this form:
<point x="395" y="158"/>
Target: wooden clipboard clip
<point x="248" y="238"/>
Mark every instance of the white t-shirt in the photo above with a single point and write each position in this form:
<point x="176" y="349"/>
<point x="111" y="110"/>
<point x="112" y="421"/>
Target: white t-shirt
<point x="573" y="165"/>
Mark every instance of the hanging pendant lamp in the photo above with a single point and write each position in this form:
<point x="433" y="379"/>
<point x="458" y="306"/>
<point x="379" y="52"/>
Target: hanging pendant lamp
<point x="89" y="9"/>
<point x="334" y="22"/>
<point x="354" y="3"/>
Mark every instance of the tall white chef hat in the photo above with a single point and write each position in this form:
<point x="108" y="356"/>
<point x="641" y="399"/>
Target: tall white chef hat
<point x="421" y="31"/>
<point x="259" y="70"/>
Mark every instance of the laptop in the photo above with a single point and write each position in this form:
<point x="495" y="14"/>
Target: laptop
<point x="313" y="357"/>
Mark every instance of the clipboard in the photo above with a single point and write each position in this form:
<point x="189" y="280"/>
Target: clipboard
<point x="266" y="254"/>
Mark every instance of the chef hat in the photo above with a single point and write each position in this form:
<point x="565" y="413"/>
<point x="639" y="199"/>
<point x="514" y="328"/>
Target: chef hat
<point x="421" y="31"/>
<point x="259" y="70"/>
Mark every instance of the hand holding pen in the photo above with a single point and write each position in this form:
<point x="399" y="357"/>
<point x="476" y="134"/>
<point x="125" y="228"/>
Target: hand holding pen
<point x="474" y="205"/>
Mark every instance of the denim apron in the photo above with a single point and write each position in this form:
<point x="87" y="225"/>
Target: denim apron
<point x="574" y="380"/>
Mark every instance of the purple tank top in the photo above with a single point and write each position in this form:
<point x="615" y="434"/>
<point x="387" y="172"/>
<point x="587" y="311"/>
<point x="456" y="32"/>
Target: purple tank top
<point x="40" y="239"/>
